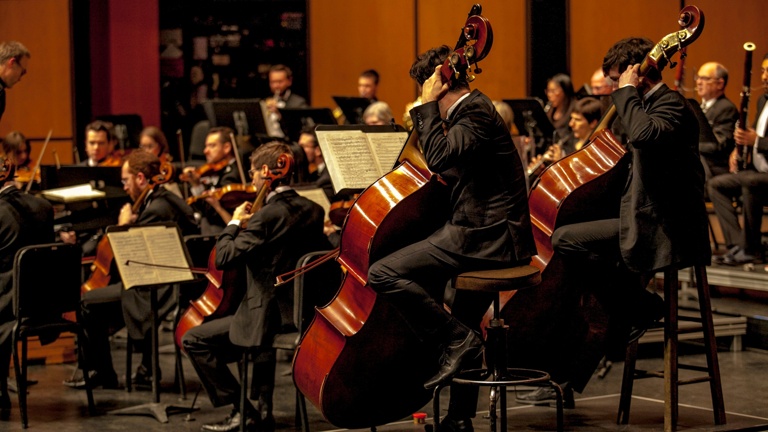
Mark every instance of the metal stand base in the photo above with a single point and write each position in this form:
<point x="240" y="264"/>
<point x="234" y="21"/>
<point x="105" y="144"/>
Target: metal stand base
<point x="159" y="411"/>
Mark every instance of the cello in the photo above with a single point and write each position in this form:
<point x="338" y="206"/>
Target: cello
<point x="220" y="297"/>
<point x="545" y="325"/>
<point x="359" y="362"/>
<point x="102" y="265"/>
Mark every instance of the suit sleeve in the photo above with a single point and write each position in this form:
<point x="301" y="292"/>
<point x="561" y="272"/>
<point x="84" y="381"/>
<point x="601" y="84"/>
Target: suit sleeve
<point x="233" y="245"/>
<point x="646" y="128"/>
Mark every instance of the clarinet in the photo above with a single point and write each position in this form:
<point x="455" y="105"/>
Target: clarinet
<point x="745" y="156"/>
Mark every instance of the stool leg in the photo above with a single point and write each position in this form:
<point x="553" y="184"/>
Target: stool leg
<point x="627" y="383"/>
<point x="436" y="407"/>
<point x="670" y="351"/>
<point x="243" y="389"/>
<point x="710" y="345"/>
<point x="560" y="403"/>
<point x="493" y="396"/>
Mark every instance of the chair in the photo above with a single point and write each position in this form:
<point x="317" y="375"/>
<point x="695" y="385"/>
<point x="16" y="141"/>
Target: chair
<point x="197" y="140"/>
<point x="313" y="288"/>
<point x="199" y="248"/>
<point x="671" y="365"/>
<point x="40" y="298"/>
<point x="497" y="375"/>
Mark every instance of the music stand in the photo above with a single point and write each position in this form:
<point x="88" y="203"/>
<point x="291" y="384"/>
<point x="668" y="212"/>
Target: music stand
<point x="531" y="120"/>
<point x="244" y="116"/>
<point x="293" y="120"/>
<point x="352" y="107"/>
<point x="127" y="128"/>
<point x="170" y="265"/>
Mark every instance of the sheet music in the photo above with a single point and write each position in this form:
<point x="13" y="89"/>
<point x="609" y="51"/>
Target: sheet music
<point x="351" y="163"/>
<point x="73" y="193"/>
<point x="153" y="245"/>
<point x="386" y="149"/>
<point x="317" y="196"/>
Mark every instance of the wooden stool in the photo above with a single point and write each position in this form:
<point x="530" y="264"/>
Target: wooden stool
<point x="671" y="366"/>
<point x="497" y="375"/>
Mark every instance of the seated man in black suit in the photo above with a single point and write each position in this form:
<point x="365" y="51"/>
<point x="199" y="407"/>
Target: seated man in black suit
<point x="24" y="220"/>
<point x="109" y="308"/>
<point x="721" y="113"/>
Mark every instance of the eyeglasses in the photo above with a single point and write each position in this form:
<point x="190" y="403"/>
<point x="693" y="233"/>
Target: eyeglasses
<point x="704" y="78"/>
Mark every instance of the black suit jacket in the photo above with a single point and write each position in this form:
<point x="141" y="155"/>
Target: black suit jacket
<point x="159" y="206"/>
<point x="663" y="219"/>
<point x="277" y="235"/>
<point x="24" y="220"/>
<point x="227" y="175"/>
<point x="722" y="116"/>
<point x="762" y="143"/>
<point x="488" y="197"/>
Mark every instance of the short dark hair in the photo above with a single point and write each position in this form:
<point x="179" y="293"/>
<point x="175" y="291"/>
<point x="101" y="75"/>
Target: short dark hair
<point x="282" y="68"/>
<point x="101" y="126"/>
<point x="590" y="108"/>
<point x="629" y="51"/>
<point x="224" y="134"/>
<point x="424" y="67"/>
<point x="267" y="154"/>
<point x="143" y="162"/>
<point x="13" y="141"/>
<point x="371" y="73"/>
<point x="309" y="130"/>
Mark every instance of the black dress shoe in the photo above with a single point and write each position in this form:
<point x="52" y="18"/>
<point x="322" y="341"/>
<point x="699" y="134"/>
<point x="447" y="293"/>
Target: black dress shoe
<point x="547" y="396"/>
<point x="451" y="424"/>
<point x="456" y="351"/>
<point x="98" y="379"/>
<point x="143" y="377"/>
<point x="230" y="423"/>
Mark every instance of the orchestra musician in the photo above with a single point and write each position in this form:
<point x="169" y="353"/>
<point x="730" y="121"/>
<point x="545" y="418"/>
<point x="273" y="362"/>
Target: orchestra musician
<point x="368" y="84"/>
<point x="18" y="147"/>
<point x="599" y="84"/>
<point x="467" y="143"/>
<point x="280" y="81"/>
<point x="560" y="101"/>
<point x="319" y="176"/>
<point x="107" y="309"/>
<point x="267" y="242"/>
<point x="24" y="220"/>
<point x="584" y="118"/>
<point x="751" y="185"/>
<point x="220" y="170"/>
<point x="14" y="60"/>
<point x="100" y="145"/>
<point x="378" y="114"/>
<point x="662" y="221"/>
<point x="711" y="79"/>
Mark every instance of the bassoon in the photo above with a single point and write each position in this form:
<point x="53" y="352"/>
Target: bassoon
<point x="745" y="156"/>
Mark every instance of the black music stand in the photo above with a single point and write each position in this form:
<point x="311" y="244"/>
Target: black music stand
<point x="244" y="116"/>
<point x="352" y="107"/>
<point x="293" y="120"/>
<point x="531" y="120"/>
<point x="166" y="241"/>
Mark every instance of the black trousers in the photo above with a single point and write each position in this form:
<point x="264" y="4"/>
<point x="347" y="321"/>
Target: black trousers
<point x="752" y="187"/>
<point x="210" y="351"/>
<point x="414" y="279"/>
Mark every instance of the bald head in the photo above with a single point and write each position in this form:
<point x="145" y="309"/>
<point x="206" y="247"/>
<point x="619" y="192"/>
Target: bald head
<point x="599" y="83"/>
<point x="711" y="79"/>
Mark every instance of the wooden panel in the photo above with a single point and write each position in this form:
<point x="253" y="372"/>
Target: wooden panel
<point x="347" y="37"/>
<point x="727" y="27"/>
<point x="43" y="98"/>
<point x="596" y="25"/>
<point x="504" y="70"/>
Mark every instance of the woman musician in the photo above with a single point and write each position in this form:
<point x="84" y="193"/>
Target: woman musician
<point x="18" y="147"/>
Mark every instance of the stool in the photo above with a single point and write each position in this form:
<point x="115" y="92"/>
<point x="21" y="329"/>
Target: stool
<point x="497" y="375"/>
<point x="671" y="366"/>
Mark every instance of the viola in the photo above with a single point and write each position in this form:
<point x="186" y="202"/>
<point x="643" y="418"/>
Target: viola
<point x="544" y="324"/>
<point x="358" y="362"/>
<point x="221" y="296"/>
<point x="102" y="265"/>
<point x="338" y="210"/>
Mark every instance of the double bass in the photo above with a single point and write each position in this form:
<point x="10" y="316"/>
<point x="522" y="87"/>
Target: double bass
<point x="546" y="326"/>
<point x="358" y="362"/>
<point x="221" y="295"/>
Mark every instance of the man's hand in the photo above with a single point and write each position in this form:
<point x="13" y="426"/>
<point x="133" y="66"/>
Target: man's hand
<point x="126" y="215"/>
<point x="191" y="176"/>
<point x="69" y="237"/>
<point x="630" y="76"/>
<point x="744" y="137"/>
<point x="733" y="161"/>
<point x="434" y="89"/>
<point x="242" y="213"/>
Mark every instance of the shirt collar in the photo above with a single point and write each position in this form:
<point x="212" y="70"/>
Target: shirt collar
<point x="277" y="190"/>
<point x="653" y="90"/>
<point x="455" y="104"/>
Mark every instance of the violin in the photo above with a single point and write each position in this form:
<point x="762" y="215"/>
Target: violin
<point x="115" y="159"/>
<point x="205" y="169"/>
<point x="102" y="265"/>
<point x="6" y="166"/>
<point x="230" y="196"/>
<point x="359" y="362"/>
<point x="24" y="174"/>
<point x="338" y="210"/>
<point x="220" y="296"/>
